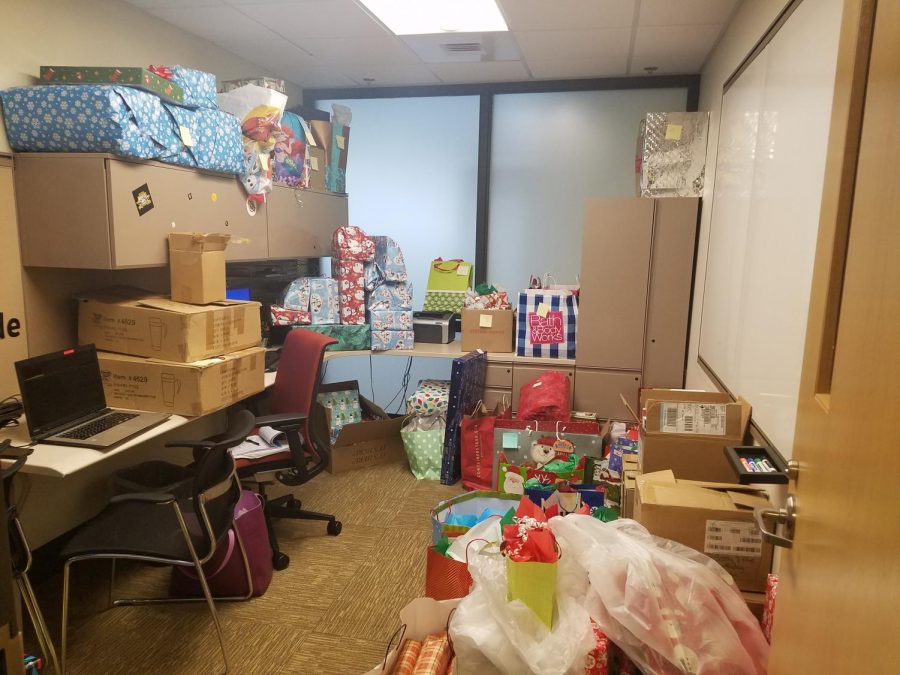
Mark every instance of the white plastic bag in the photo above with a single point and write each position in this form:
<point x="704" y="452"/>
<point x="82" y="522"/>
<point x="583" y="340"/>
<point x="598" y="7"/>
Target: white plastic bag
<point x="671" y="609"/>
<point x="493" y="635"/>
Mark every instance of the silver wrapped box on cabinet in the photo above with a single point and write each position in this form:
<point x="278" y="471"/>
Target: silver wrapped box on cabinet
<point x="673" y="160"/>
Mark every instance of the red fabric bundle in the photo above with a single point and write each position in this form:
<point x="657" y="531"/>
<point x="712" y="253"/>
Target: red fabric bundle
<point x="529" y="539"/>
<point x="545" y="398"/>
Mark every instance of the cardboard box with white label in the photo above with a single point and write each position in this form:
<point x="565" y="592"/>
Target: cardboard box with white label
<point x="713" y="518"/>
<point x="192" y="389"/>
<point x="197" y="266"/>
<point x="490" y="330"/>
<point x="134" y="322"/>
<point x="687" y="431"/>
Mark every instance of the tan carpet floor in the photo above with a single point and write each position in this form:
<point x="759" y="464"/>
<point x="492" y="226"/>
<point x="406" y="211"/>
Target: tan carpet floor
<point x="332" y="611"/>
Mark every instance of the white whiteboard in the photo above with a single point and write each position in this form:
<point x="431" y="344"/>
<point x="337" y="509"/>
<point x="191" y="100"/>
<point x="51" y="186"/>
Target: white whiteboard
<point x="765" y="215"/>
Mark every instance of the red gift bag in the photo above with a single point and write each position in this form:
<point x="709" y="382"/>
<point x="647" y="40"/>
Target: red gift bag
<point x="477" y="446"/>
<point x="546" y="397"/>
<point x="445" y="578"/>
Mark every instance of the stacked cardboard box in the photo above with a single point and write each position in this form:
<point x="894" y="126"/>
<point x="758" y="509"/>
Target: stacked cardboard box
<point x="161" y="355"/>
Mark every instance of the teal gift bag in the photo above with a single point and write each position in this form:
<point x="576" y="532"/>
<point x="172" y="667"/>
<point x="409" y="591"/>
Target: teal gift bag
<point x="423" y="440"/>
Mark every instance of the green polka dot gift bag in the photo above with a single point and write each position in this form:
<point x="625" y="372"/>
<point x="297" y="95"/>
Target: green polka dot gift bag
<point x="423" y="439"/>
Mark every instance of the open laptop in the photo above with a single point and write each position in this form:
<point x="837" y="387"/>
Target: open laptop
<point x="62" y="394"/>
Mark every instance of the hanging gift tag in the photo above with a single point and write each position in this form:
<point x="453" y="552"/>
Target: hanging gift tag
<point x="463" y="270"/>
<point x="543" y="310"/>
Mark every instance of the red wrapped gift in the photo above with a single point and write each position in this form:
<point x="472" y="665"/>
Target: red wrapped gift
<point x="769" y="606"/>
<point x="289" y="317"/>
<point x="351" y="291"/>
<point x="597" y="662"/>
<point x="351" y="243"/>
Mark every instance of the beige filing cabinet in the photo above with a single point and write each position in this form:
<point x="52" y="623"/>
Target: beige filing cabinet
<point x="301" y="222"/>
<point x="636" y="277"/>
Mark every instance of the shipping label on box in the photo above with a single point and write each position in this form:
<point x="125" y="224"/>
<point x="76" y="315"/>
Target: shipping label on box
<point x="692" y="418"/>
<point x="192" y="389"/>
<point x="129" y="322"/>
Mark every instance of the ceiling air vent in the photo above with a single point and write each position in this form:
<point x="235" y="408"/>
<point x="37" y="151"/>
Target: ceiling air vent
<point x="462" y="47"/>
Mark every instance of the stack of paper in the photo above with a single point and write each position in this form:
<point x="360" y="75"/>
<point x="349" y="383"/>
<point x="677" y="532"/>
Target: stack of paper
<point x="267" y="441"/>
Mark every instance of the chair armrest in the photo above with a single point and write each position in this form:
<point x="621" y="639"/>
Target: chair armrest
<point x="196" y="445"/>
<point x="145" y="497"/>
<point x="284" y="422"/>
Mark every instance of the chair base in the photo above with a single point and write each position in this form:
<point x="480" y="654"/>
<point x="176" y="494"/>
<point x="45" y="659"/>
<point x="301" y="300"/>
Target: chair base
<point x="288" y="506"/>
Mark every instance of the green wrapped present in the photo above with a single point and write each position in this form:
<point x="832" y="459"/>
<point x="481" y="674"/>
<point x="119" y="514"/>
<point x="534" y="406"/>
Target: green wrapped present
<point x="345" y="409"/>
<point x="139" y="78"/>
<point x="350" y="337"/>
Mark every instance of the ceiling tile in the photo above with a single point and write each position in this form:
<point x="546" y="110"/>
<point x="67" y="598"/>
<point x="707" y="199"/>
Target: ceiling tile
<point x="315" y="19"/>
<point x="667" y="65"/>
<point x="565" y="45"/>
<point x="494" y="71"/>
<point x="383" y="76"/>
<point x="380" y="51"/>
<point x="273" y="54"/>
<point x="218" y="25"/>
<point x="560" y="70"/>
<point x="150" y="5"/>
<point x="495" y="47"/>
<point x="676" y="41"/>
<point x="315" y="77"/>
<point x="567" y="14"/>
<point x="683" y="12"/>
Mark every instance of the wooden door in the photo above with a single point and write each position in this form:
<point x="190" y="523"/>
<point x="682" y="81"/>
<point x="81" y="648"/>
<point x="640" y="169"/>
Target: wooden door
<point x="839" y="584"/>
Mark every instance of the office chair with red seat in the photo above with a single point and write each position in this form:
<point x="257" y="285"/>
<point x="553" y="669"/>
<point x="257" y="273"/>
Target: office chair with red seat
<point x="292" y="399"/>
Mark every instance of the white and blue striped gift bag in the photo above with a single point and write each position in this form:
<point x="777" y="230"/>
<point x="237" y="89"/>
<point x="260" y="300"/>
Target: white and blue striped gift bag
<point x="551" y="336"/>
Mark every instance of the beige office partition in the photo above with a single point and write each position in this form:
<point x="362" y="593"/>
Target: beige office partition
<point x="13" y="338"/>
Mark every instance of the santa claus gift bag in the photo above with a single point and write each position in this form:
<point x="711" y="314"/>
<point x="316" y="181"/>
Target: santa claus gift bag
<point x="546" y="323"/>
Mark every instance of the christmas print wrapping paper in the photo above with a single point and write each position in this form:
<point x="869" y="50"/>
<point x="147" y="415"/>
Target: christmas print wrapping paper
<point x="349" y="338"/>
<point x="430" y="397"/>
<point x="351" y="290"/>
<point x="282" y="316"/>
<point x="199" y="87"/>
<point x="121" y="121"/>
<point x="317" y="295"/>
<point x="391" y="319"/>
<point x="391" y="295"/>
<point x="351" y="243"/>
<point x="139" y="78"/>
<point x="344" y="407"/>
<point x="389" y="259"/>
<point x="383" y="340"/>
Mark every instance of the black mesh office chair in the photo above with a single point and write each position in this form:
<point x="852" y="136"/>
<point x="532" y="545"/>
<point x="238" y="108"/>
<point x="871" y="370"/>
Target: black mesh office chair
<point x="167" y="528"/>
<point x="20" y="553"/>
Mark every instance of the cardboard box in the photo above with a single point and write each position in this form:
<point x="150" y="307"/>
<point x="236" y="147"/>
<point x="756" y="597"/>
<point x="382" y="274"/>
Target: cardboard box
<point x="361" y="444"/>
<point x="490" y="330"/>
<point x="697" y="456"/>
<point x="192" y="389"/>
<point x="629" y="489"/>
<point x="267" y="82"/>
<point x="713" y="518"/>
<point x="317" y="164"/>
<point x="130" y="321"/>
<point x="197" y="267"/>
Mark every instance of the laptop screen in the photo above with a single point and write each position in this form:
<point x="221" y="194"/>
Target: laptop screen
<point x="59" y="388"/>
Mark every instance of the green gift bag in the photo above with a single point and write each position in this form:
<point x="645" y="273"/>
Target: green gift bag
<point x="448" y="281"/>
<point x="534" y="583"/>
<point x="423" y="440"/>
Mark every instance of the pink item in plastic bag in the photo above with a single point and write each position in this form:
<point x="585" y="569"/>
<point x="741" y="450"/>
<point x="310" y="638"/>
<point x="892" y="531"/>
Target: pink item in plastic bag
<point x="545" y="398"/>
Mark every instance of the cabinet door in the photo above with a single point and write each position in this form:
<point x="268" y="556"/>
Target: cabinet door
<point x="615" y="260"/>
<point x="599" y="391"/>
<point x="181" y="199"/>
<point x="498" y="375"/>
<point x="669" y="305"/>
<point x="301" y="222"/>
<point x="523" y="374"/>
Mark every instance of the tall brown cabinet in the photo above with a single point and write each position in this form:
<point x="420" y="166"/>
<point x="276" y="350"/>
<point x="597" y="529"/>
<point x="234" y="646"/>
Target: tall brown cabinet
<point x="637" y="262"/>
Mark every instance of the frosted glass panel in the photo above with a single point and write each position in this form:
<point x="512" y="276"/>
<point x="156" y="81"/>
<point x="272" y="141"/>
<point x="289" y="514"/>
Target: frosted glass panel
<point x="550" y="153"/>
<point x="412" y="174"/>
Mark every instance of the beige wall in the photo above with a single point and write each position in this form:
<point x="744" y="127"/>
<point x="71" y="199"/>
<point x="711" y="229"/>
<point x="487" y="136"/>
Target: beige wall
<point x="103" y="32"/>
<point x="749" y="24"/>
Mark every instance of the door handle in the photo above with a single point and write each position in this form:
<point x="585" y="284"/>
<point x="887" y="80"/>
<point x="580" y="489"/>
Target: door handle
<point x="784" y="517"/>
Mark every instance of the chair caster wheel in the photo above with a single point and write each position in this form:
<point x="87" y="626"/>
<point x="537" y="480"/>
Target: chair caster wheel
<point x="334" y="528"/>
<point x="280" y="561"/>
<point x="294" y="503"/>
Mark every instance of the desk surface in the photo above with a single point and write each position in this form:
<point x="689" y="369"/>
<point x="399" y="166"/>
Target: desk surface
<point x="62" y="460"/>
<point x="452" y="351"/>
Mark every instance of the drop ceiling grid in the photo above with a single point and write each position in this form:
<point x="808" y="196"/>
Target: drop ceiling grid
<point x="325" y="43"/>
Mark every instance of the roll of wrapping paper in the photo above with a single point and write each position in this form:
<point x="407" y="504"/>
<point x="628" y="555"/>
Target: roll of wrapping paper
<point x="435" y="656"/>
<point x="407" y="658"/>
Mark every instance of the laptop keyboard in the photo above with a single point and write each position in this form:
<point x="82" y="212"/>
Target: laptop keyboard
<point x="98" y="426"/>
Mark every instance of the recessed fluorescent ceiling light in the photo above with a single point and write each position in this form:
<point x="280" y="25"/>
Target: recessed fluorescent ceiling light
<point x="416" y="17"/>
